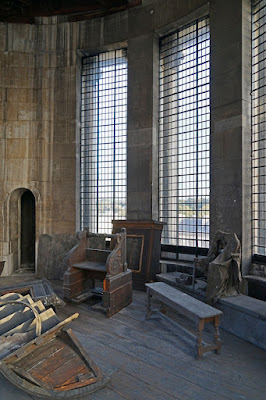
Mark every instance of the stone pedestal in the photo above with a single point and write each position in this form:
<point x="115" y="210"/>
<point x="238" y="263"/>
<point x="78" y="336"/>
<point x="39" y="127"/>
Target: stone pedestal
<point x="143" y="249"/>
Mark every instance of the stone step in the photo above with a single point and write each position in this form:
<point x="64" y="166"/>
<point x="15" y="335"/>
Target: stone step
<point x="256" y="286"/>
<point x="98" y="255"/>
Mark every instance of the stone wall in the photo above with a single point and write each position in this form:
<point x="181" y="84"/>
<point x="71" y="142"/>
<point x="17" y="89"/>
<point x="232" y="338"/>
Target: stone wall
<point x="52" y="254"/>
<point x="38" y="131"/>
<point x="39" y="111"/>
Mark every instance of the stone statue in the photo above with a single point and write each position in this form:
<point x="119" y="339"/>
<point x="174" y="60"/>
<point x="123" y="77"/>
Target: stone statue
<point x="221" y="267"/>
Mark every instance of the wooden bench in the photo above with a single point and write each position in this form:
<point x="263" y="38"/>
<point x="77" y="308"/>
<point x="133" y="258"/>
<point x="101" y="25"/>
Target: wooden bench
<point x="192" y="308"/>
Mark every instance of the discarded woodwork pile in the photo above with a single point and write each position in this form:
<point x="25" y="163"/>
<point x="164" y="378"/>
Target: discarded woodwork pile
<point x="40" y="289"/>
<point x="38" y="356"/>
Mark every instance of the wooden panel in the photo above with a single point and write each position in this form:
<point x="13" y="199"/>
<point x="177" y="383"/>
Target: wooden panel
<point x="65" y="373"/>
<point x="150" y="232"/>
<point x="37" y="355"/>
<point x="135" y="245"/>
<point x="50" y="360"/>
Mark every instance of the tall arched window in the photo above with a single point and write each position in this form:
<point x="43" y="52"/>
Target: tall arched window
<point x="103" y="140"/>
<point x="259" y="127"/>
<point x="184" y="135"/>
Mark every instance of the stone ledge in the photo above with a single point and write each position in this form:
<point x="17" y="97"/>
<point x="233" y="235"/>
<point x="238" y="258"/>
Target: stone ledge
<point x="244" y="317"/>
<point x="249" y="305"/>
<point x="256" y="286"/>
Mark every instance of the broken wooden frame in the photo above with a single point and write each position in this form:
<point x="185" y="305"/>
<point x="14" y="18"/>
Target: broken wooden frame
<point x="38" y="290"/>
<point x="53" y="364"/>
<point x="38" y="356"/>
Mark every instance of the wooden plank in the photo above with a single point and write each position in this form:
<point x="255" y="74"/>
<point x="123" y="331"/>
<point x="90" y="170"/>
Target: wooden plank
<point x="77" y="385"/>
<point x="196" y="375"/>
<point x="249" y="358"/>
<point x="65" y="373"/>
<point x="46" y="337"/>
<point x="165" y="345"/>
<point x="38" y="289"/>
<point x="20" y="316"/>
<point x="137" y="368"/>
<point x="38" y="353"/>
<point x="55" y="356"/>
<point x="19" y="373"/>
<point x="105" y="393"/>
<point x="84" y="355"/>
<point x="169" y="383"/>
<point x="7" y="309"/>
<point x="133" y="388"/>
<point x="72" y="379"/>
<point x="151" y="332"/>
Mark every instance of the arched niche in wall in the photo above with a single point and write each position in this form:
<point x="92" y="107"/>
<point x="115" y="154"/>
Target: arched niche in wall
<point x="27" y="230"/>
<point x="22" y="228"/>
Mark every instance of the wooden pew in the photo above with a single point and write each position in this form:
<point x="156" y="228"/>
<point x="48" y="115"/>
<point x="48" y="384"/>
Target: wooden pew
<point x="92" y="259"/>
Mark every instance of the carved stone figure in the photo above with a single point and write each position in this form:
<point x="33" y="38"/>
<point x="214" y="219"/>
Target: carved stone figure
<point x="221" y="267"/>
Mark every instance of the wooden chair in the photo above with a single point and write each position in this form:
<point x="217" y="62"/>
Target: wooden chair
<point x="99" y="257"/>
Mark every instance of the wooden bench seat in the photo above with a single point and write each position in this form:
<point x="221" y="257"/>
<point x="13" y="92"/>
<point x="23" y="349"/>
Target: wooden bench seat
<point x="192" y="308"/>
<point x="91" y="266"/>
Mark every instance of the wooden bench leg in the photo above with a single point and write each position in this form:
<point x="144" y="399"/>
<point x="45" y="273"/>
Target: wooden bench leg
<point x="148" y="300"/>
<point x="199" y="341"/>
<point x="217" y="340"/>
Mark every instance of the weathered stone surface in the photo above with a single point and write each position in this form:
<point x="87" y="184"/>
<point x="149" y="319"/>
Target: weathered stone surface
<point x="39" y="67"/>
<point x="51" y="254"/>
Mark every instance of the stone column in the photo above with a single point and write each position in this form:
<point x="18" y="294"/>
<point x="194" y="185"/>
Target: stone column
<point x="231" y="121"/>
<point x="143" y="69"/>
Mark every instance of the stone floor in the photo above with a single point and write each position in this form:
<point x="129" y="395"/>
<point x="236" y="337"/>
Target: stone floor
<point x="152" y="359"/>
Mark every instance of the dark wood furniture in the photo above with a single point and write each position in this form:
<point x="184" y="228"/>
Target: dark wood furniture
<point x="99" y="257"/>
<point x="143" y="249"/>
<point x="192" y="308"/>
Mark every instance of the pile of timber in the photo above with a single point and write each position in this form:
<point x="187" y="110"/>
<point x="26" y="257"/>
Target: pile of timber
<point x="38" y="356"/>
